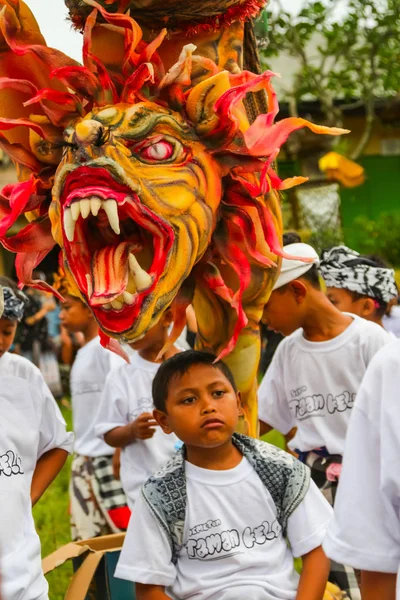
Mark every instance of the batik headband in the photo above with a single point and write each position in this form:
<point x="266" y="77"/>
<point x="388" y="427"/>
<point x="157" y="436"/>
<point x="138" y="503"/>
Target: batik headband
<point x="344" y="268"/>
<point x="14" y="304"/>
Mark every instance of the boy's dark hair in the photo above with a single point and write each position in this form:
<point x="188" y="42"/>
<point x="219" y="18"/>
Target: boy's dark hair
<point x="291" y="237"/>
<point x="178" y="365"/>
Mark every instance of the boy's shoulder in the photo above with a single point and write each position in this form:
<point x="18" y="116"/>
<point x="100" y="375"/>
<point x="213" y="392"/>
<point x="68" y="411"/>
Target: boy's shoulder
<point x="363" y="326"/>
<point x="20" y="366"/>
<point x="22" y="395"/>
<point x="136" y="370"/>
<point x="285" y="476"/>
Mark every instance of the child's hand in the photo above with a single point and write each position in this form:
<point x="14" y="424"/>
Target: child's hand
<point x="143" y="428"/>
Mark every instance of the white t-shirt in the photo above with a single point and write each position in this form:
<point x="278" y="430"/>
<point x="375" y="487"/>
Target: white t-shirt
<point x="313" y="385"/>
<point x="88" y="377"/>
<point x="233" y="544"/>
<point x="30" y="425"/>
<point x="19" y="366"/>
<point x="365" y="532"/>
<point x="127" y="394"/>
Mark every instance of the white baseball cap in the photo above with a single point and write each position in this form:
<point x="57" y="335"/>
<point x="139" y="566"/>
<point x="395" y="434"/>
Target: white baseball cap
<point x="302" y="258"/>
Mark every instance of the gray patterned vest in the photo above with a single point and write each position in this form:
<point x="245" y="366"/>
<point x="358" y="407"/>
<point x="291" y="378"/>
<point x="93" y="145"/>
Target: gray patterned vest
<point x="286" y="479"/>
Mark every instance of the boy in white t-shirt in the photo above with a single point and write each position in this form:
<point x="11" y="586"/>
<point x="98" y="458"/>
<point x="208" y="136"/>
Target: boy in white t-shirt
<point x="97" y="502"/>
<point x="125" y="417"/>
<point x="224" y="519"/>
<point x="365" y="532"/>
<point x="33" y="448"/>
<point x="362" y="285"/>
<point x="14" y="364"/>
<point x="315" y="374"/>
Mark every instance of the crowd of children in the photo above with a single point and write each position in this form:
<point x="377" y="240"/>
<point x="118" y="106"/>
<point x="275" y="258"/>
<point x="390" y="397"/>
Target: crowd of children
<point x="211" y="514"/>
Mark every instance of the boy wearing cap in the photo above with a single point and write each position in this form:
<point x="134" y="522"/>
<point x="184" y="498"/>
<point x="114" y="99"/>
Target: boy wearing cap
<point x="362" y="285"/>
<point x="316" y="372"/>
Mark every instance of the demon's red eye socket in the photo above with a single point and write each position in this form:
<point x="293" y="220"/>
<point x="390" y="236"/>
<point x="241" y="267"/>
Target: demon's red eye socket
<point x="159" y="151"/>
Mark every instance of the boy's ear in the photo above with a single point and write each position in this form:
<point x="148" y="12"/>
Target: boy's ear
<point x="162" y="419"/>
<point x="367" y="307"/>
<point x="239" y="404"/>
<point x="299" y="290"/>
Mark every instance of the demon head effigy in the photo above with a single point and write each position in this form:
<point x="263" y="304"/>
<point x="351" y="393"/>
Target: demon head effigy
<point x="141" y="164"/>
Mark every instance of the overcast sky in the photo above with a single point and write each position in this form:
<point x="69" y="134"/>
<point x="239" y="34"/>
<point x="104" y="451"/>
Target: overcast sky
<point x="51" y="16"/>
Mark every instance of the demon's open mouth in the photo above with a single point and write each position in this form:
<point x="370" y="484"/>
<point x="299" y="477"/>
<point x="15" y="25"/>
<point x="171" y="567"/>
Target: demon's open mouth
<point x="116" y="248"/>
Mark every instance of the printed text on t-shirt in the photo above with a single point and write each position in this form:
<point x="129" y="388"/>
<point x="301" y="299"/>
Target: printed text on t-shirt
<point x="224" y="544"/>
<point x="10" y="464"/>
<point x="313" y="405"/>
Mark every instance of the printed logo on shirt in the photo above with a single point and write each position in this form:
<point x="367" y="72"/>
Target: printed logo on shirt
<point x="317" y="405"/>
<point x="144" y="405"/>
<point x="10" y="464"/>
<point x="85" y="387"/>
<point x="223" y="544"/>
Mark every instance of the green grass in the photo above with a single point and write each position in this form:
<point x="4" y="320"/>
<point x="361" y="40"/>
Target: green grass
<point x="52" y="523"/>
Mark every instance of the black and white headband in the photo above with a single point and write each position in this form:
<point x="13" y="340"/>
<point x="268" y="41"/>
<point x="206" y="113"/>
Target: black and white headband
<point x="14" y="304"/>
<point x="344" y="268"/>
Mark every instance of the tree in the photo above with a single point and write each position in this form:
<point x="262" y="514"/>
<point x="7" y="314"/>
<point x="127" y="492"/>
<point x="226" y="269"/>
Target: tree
<point x="354" y="60"/>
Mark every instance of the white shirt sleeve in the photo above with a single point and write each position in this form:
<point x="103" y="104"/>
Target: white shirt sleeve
<point x="375" y="339"/>
<point x="113" y="409"/>
<point x="273" y="407"/>
<point x="365" y="532"/>
<point x="146" y="553"/>
<point x="52" y="427"/>
<point x="308" y="524"/>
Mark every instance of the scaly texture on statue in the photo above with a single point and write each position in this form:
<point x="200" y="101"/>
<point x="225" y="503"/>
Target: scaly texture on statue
<point x="151" y="181"/>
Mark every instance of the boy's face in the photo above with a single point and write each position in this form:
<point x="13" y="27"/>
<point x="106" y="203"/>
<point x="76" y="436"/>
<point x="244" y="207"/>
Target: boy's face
<point x="283" y="312"/>
<point x="8" y="330"/>
<point x="202" y="407"/>
<point x="344" y="302"/>
<point x="74" y="315"/>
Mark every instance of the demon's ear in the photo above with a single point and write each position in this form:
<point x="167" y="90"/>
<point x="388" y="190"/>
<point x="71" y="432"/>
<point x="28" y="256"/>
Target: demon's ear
<point x="216" y="121"/>
<point x="200" y="105"/>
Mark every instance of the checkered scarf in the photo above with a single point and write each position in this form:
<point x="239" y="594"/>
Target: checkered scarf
<point x="344" y="268"/>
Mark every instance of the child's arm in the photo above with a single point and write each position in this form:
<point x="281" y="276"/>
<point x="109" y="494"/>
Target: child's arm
<point x="150" y="592"/>
<point x="47" y="468"/>
<point x="141" y="428"/>
<point x="378" y="585"/>
<point x="314" y="575"/>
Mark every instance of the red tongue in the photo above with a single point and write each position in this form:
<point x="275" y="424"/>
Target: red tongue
<point x="109" y="273"/>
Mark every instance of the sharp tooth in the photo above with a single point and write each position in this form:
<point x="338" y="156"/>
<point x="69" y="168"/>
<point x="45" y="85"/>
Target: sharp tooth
<point x="117" y="304"/>
<point x="69" y="225"/>
<point x="85" y="207"/>
<point x="142" y="278"/>
<point x="107" y="306"/>
<point x="95" y="205"/>
<point x="131" y="287"/>
<point x="111" y="209"/>
<point x="76" y="210"/>
<point x="128" y="298"/>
